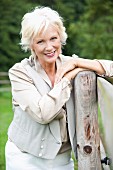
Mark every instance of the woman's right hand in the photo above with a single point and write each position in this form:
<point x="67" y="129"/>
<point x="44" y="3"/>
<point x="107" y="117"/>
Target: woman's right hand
<point x="72" y="74"/>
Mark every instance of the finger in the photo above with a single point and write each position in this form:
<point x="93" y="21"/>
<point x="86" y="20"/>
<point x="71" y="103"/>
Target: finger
<point x="58" y="77"/>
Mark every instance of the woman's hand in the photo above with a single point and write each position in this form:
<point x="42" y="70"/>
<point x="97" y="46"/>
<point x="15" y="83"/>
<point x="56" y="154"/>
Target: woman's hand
<point x="69" y="70"/>
<point x="73" y="66"/>
<point x="64" y="69"/>
<point x="72" y="74"/>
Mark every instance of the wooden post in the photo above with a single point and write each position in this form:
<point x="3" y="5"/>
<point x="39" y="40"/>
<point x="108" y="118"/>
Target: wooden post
<point x="86" y="108"/>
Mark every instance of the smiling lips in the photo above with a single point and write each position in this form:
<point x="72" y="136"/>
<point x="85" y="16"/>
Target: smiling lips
<point x="50" y="54"/>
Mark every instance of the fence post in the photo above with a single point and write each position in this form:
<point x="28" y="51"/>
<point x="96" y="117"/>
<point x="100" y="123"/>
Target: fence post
<point x="86" y="108"/>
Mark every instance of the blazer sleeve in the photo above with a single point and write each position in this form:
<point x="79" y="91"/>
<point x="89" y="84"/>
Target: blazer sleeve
<point x="108" y="67"/>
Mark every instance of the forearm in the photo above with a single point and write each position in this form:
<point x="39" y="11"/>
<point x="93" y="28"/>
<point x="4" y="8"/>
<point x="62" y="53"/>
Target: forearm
<point x="93" y="65"/>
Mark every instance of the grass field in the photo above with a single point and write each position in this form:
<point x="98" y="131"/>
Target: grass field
<point x="6" y="116"/>
<point x="5" y="119"/>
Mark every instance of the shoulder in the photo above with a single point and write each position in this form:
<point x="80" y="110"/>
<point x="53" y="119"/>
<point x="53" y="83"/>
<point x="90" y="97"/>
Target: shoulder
<point x="18" y="70"/>
<point x="65" y="58"/>
<point x="20" y="65"/>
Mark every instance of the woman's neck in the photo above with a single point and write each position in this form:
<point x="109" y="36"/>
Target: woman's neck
<point x="50" y="71"/>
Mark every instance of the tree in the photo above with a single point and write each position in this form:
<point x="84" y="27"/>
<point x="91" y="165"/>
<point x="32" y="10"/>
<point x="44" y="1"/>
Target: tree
<point x="94" y="30"/>
<point x="11" y="13"/>
<point x="88" y="23"/>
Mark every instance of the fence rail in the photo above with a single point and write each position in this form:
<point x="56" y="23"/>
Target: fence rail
<point x="3" y="73"/>
<point x="4" y="82"/>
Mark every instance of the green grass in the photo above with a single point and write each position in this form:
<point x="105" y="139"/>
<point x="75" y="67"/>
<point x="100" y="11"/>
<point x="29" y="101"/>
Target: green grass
<point x="5" y="119"/>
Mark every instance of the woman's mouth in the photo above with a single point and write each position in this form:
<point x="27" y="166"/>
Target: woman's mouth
<point x="50" y="54"/>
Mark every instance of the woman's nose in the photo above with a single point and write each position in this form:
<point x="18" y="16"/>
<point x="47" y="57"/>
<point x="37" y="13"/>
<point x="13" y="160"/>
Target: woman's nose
<point x="49" y="46"/>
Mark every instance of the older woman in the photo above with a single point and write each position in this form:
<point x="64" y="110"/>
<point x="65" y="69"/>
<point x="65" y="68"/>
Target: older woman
<point x="42" y="133"/>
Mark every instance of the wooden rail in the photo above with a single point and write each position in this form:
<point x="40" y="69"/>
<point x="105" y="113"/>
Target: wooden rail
<point x="4" y="82"/>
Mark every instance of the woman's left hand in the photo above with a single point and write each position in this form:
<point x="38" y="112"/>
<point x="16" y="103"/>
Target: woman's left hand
<point x="65" y="68"/>
<point x="69" y="70"/>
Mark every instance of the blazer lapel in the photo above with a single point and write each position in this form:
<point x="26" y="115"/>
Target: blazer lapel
<point x="39" y="82"/>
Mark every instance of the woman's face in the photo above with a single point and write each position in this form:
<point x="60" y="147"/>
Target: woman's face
<point x="47" y="46"/>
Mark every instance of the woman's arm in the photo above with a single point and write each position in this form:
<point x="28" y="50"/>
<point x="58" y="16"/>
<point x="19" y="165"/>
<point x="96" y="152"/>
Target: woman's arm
<point x="73" y="66"/>
<point x="93" y="65"/>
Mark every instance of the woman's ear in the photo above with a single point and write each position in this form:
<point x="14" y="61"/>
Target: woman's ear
<point x="31" y="47"/>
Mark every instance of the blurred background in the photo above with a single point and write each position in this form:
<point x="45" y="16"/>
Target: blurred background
<point x="89" y="24"/>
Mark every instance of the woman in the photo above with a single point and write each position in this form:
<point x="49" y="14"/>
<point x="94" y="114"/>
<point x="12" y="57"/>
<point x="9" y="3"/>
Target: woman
<point x="42" y="132"/>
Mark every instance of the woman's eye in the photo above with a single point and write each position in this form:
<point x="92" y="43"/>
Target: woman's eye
<point x="39" y="42"/>
<point x="53" y="38"/>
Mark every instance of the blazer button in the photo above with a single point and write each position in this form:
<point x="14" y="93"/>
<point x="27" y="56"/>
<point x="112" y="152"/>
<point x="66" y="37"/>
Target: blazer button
<point x="40" y="155"/>
<point x="41" y="146"/>
<point x="58" y="142"/>
<point x="43" y="139"/>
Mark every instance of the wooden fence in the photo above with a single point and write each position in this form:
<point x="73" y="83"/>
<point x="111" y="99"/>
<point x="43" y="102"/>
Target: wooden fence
<point x="4" y="82"/>
<point x="90" y="149"/>
<point x="88" y="141"/>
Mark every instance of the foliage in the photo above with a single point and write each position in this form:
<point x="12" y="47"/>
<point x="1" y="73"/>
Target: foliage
<point x="89" y="26"/>
<point x="10" y="19"/>
<point x="5" y="119"/>
<point x="94" y="30"/>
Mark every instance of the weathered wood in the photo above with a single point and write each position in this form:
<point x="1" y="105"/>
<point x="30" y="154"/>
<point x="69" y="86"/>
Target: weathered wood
<point x="86" y="108"/>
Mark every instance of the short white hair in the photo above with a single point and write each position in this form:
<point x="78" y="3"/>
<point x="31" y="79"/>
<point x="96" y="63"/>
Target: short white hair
<point x="40" y="18"/>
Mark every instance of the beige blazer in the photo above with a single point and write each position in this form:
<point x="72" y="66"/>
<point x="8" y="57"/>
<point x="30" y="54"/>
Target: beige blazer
<point x="36" y="127"/>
